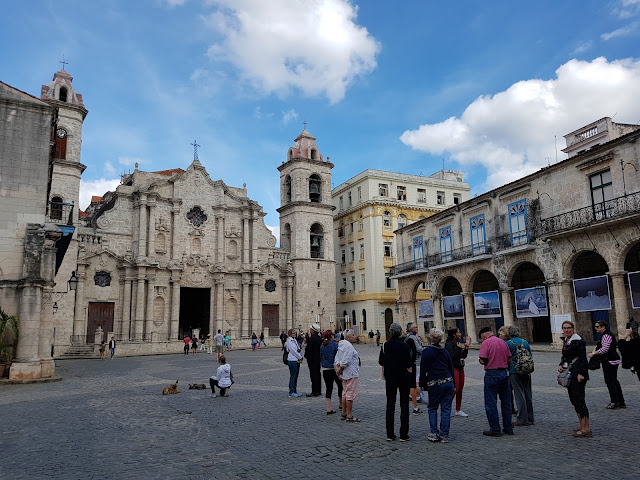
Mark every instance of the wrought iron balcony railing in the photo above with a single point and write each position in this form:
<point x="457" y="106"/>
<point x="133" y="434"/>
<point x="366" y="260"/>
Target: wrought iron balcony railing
<point x="585" y="216"/>
<point x="60" y="213"/>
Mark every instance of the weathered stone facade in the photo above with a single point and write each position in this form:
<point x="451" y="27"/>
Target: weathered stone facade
<point x="576" y="219"/>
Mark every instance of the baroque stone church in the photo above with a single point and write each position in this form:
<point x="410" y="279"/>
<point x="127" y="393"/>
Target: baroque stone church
<point x="174" y="252"/>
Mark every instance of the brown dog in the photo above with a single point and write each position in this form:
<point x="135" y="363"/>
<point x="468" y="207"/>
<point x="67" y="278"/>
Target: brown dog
<point x="197" y="386"/>
<point x="171" y="389"/>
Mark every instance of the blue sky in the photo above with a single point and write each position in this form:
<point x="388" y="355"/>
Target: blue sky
<point x="401" y="86"/>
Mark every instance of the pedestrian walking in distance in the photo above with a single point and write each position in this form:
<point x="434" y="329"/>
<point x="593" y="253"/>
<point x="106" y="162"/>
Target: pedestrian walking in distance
<point x="294" y="358"/>
<point x="312" y="354"/>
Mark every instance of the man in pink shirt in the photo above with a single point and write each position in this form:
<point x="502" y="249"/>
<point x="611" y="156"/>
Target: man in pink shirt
<point x="494" y="355"/>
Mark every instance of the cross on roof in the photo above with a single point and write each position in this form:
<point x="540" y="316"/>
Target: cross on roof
<point x="305" y="124"/>
<point x="195" y="149"/>
<point x="63" y="62"/>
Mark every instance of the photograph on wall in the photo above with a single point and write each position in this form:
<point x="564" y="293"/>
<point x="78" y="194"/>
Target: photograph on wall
<point x="452" y="307"/>
<point x="487" y="304"/>
<point x="592" y="294"/>
<point x="531" y="302"/>
<point x="425" y="310"/>
<point x="634" y="286"/>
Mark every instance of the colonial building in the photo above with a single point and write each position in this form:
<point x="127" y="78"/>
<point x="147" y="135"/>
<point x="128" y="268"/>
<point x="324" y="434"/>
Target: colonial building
<point x="561" y="243"/>
<point x="369" y="207"/>
<point x="168" y="253"/>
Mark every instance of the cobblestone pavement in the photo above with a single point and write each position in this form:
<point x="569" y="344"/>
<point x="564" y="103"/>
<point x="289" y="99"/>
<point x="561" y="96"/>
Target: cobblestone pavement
<point x="108" y="420"/>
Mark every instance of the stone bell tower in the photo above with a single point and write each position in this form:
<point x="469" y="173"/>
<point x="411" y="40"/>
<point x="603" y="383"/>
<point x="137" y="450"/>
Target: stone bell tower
<point x="306" y="231"/>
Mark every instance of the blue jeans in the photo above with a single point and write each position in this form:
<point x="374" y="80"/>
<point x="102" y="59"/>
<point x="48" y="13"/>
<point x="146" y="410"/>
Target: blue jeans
<point x="496" y="384"/>
<point x="294" y="369"/>
<point x="440" y="396"/>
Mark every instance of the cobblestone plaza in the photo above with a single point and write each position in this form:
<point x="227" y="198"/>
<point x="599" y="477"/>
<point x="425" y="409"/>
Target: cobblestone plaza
<point x="108" y="420"/>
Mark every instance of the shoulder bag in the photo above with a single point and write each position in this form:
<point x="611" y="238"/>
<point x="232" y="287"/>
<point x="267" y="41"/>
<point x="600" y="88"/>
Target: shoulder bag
<point x="564" y="377"/>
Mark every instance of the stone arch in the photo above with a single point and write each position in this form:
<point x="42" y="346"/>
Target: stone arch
<point x="629" y="244"/>
<point x="313" y="153"/>
<point x="316" y="241"/>
<point x="518" y="266"/>
<point x="55" y="208"/>
<point x="449" y="285"/>
<point x="537" y="327"/>
<point x="315" y="188"/>
<point x="161" y="243"/>
<point x="233" y="248"/>
<point x="231" y="314"/>
<point x="287" y="189"/>
<point x="196" y="245"/>
<point x="631" y="258"/>
<point x="285" y="239"/>
<point x="586" y="263"/>
<point x="62" y="94"/>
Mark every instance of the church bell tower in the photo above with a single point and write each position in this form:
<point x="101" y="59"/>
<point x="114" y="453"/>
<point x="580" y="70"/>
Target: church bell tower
<point x="306" y="231"/>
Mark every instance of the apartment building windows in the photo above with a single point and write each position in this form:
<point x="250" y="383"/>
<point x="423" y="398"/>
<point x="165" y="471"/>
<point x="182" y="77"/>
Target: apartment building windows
<point x="341" y="203"/>
<point x="359" y="193"/>
<point x="352" y="254"/>
<point x="518" y="222"/>
<point x="383" y="189"/>
<point x="353" y="282"/>
<point x="478" y="235"/>
<point x="351" y="226"/>
<point x="386" y="219"/>
<point x="422" y="195"/>
<point x="446" y="244"/>
<point x="361" y="224"/>
<point x="362" y="251"/>
<point x="363" y="285"/>
<point x="457" y="198"/>
<point x="344" y="284"/>
<point x="387" y="281"/>
<point x="344" y="256"/>
<point x="402" y="221"/>
<point x="402" y="193"/>
<point x="387" y="249"/>
<point x="418" y="251"/>
<point x="601" y="193"/>
<point x="440" y="198"/>
<point x="349" y="199"/>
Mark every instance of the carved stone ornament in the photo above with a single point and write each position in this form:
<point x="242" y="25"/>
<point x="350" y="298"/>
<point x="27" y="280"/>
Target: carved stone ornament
<point x="270" y="285"/>
<point x="195" y="259"/>
<point x="233" y="232"/>
<point x="162" y="224"/>
<point x="196" y="274"/>
<point x="102" y="279"/>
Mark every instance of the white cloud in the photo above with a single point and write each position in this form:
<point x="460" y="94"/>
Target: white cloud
<point x="583" y="47"/>
<point x="109" y="169"/>
<point x="511" y="133"/>
<point x="627" y="8"/>
<point x="276" y="232"/>
<point x="258" y="114"/>
<point x="175" y="3"/>
<point x="95" y="187"/>
<point x="130" y="161"/>
<point x="288" y="116"/>
<point x="314" y="46"/>
<point x="627" y="31"/>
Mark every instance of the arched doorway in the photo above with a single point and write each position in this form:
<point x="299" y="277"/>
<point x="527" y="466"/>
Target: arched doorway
<point x="590" y="264"/>
<point x="388" y="320"/>
<point x="453" y="317"/>
<point x="485" y="281"/>
<point x="530" y="296"/>
<point x="632" y="280"/>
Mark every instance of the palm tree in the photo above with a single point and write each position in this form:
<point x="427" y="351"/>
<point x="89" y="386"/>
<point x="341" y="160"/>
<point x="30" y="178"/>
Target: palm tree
<point x="11" y="321"/>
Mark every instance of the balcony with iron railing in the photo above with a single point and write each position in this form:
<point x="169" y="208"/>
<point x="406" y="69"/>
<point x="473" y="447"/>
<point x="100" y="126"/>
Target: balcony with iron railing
<point x="59" y="213"/>
<point x="613" y="209"/>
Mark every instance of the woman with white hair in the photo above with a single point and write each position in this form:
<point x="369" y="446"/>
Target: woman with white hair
<point x="347" y="365"/>
<point x="436" y="376"/>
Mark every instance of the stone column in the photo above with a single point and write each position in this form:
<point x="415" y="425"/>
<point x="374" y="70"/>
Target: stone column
<point x="126" y="309"/>
<point x="29" y="316"/>
<point x="148" y="330"/>
<point x="78" y="315"/>
<point x="245" y="238"/>
<point x="212" y="311"/>
<point x="139" y="323"/>
<point x="152" y="228"/>
<point x="620" y="301"/>
<point x="507" y="305"/>
<point x="255" y="315"/>
<point x="175" y="211"/>
<point x="46" y="334"/>
<point x="219" y="304"/>
<point x="142" y="222"/>
<point x="470" y="316"/>
<point x="437" y="312"/>
<point x="175" y="305"/>
<point x="245" y="322"/>
<point x="220" y="228"/>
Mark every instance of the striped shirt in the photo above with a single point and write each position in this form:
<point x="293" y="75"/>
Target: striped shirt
<point x="606" y="343"/>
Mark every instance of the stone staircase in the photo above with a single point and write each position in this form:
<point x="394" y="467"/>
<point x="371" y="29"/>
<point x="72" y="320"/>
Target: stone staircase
<point x="80" y="351"/>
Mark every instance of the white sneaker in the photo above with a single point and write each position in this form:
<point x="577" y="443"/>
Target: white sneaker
<point x="460" y="413"/>
<point x="214" y="395"/>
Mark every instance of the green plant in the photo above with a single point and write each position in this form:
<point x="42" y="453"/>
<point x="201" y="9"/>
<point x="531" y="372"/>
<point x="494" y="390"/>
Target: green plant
<point x="11" y="322"/>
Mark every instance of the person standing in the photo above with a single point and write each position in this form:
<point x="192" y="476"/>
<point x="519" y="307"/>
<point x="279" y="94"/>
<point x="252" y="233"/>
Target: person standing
<point x="606" y="351"/>
<point x="574" y="358"/>
<point x="395" y="359"/>
<point x="494" y="355"/>
<point x="194" y="344"/>
<point x="112" y="346"/>
<point x="458" y="352"/>
<point x="312" y="354"/>
<point x="283" y="339"/>
<point x="103" y="348"/>
<point x="348" y="365"/>
<point x="371" y="335"/>
<point x="437" y="377"/>
<point x="377" y="338"/>
<point x="520" y="381"/>
<point x="328" y="352"/>
<point x="219" y="339"/>
<point x="415" y="345"/>
<point x="262" y="342"/>
<point x="294" y="359"/>
<point x="187" y="344"/>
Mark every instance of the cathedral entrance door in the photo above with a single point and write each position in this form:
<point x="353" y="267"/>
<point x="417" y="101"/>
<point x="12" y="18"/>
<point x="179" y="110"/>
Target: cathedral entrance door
<point x="271" y="319"/>
<point x="195" y="309"/>
<point x="100" y="314"/>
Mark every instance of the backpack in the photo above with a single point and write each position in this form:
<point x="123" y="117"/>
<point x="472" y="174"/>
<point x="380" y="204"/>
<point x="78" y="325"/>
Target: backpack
<point x="285" y="356"/>
<point x="523" y="361"/>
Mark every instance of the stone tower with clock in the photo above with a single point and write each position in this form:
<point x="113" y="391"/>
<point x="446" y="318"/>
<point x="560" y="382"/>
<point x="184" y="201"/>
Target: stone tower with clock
<point x="65" y="171"/>
<point x="306" y="231"/>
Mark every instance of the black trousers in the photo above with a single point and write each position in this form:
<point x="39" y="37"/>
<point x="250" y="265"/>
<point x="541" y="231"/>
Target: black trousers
<point x="576" y="397"/>
<point x="611" y="379"/>
<point x="330" y="377"/>
<point x="314" y="375"/>
<point x="392" y="389"/>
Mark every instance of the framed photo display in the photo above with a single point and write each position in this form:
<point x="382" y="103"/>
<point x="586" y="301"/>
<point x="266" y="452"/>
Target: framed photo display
<point x="634" y="287"/>
<point x="592" y="294"/>
<point x="425" y="310"/>
<point x="487" y="304"/>
<point x="452" y="307"/>
<point x="531" y="302"/>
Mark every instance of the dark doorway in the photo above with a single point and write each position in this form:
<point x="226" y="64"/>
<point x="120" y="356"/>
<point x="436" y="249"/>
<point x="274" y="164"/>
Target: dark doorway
<point x="529" y="275"/>
<point x="388" y="320"/>
<point x="99" y="314"/>
<point x="271" y="319"/>
<point x="195" y="305"/>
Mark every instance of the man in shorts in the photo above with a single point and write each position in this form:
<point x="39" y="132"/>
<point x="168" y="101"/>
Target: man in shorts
<point x="219" y="338"/>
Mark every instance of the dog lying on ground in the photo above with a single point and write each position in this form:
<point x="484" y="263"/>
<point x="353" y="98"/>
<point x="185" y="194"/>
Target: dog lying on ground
<point x="197" y="386"/>
<point x="171" y="389"/>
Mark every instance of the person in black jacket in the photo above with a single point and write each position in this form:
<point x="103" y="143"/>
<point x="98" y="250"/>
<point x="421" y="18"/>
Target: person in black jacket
<point x="312" y="354"/>
<point x="574" y="357"/>
<point x="395" y="359"/>
<point x="458" y="351"/>
<point x="629" y="347"/>
<point x="606" y="351"/>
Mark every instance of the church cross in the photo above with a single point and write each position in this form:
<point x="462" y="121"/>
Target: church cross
<point x="63" y="62"/>
<point x="195" y="149"/>
<point x="305" y="125"/>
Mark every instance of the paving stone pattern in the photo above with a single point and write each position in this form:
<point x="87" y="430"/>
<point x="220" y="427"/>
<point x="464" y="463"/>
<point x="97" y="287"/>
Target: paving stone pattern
<point x="108" y="420"/>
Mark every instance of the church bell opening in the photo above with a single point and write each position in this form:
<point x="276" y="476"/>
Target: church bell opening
<point x="195" y="305"/>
